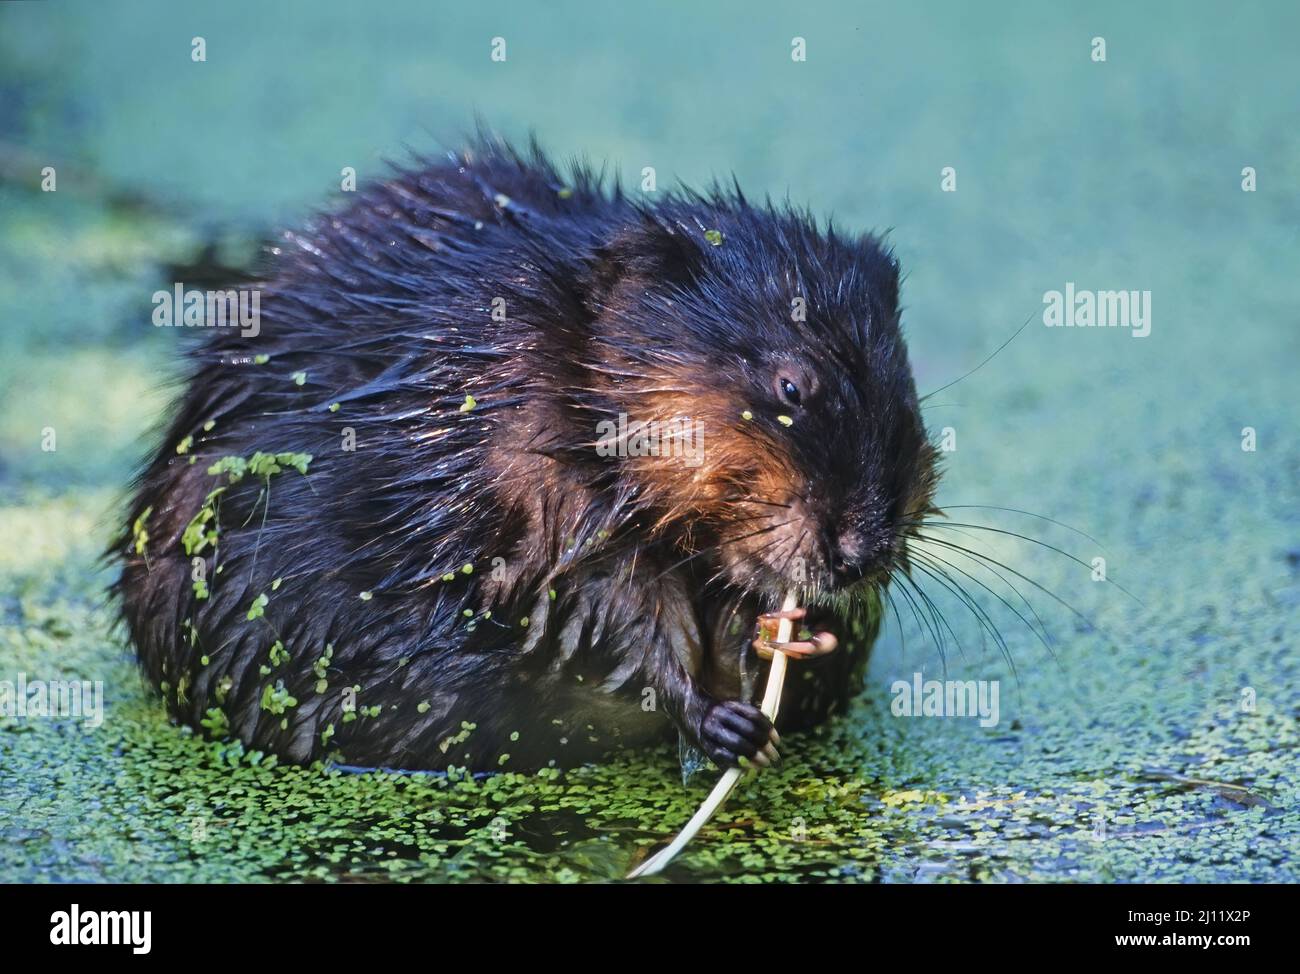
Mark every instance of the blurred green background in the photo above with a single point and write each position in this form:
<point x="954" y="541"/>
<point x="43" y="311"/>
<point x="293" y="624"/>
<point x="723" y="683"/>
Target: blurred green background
<point x="1123" y="755"/>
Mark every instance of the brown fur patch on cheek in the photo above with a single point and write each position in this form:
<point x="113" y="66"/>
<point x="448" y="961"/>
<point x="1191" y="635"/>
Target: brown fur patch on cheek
<point x="703" y="461"/>
<point x="687" y="472"/>
<point x="741" y="491"/>
<point x="768" y="524"/>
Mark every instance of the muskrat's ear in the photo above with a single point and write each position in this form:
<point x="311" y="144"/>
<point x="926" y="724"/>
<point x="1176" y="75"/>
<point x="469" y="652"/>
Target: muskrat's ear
<point x="653" y="251"/>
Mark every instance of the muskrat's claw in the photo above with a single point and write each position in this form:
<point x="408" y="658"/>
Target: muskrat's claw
<point x="818" y="644"/>
<point x="734" y="733"/>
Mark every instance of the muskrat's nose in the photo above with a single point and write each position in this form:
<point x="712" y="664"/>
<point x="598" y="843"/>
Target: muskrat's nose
<point x="849" y="556"/>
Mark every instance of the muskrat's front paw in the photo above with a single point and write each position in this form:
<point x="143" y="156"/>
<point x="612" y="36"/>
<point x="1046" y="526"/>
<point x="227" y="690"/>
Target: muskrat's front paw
<point x="765" y="644"/>
<point x="734" y="733"/>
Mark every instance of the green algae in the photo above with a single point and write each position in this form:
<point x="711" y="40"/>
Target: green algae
<point x="140" y="533"/>
<point x="1129" y="762"/>
<point x="258" y="609"/>
<point x="867" y="798"/>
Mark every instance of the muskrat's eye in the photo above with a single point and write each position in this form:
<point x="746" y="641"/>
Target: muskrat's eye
<point x="790" y="391"/>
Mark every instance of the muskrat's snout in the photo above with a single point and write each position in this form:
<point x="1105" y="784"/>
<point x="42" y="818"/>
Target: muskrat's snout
<point x="854" y="554"/>
<point x="853" y="550"/>
<point x="779" y="543"/>
<point x="847" y="523"/>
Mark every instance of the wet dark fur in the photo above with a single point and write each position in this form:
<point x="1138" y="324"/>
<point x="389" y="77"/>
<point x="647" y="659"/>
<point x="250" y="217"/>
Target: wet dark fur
<point x="612" y="306"/>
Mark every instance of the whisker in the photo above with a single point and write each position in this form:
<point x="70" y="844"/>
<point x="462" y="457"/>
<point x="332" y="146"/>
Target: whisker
<point x="895" y="575"/>
<point x="754" y="500"/>
<point x="794" y="550"/>
<point x="902" y="636"/>
<point x="719" y="546"/>
<point x="928" y="560"/>
<point x="1042" y="637"/>
<point x="1042" y="588"/>
<point x="1025" y="537"/>
<point x="984" y="363"/>
<point x="935" y="621"/>
<point x="721" y="572"/>
<point x="1016" y="510"/>
<point x="920" y="626"/>
<point x="977" y="610"/>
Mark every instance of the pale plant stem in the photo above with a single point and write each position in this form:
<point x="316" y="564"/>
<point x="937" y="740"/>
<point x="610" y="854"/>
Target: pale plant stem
<point x="731" y="777"/>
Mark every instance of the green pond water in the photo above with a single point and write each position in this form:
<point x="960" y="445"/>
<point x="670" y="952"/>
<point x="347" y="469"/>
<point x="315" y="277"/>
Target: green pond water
<point x="1157" y="741"/>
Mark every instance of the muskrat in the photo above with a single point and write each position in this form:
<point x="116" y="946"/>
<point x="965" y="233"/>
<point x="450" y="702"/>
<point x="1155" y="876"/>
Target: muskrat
<point x="387" y="530"/>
